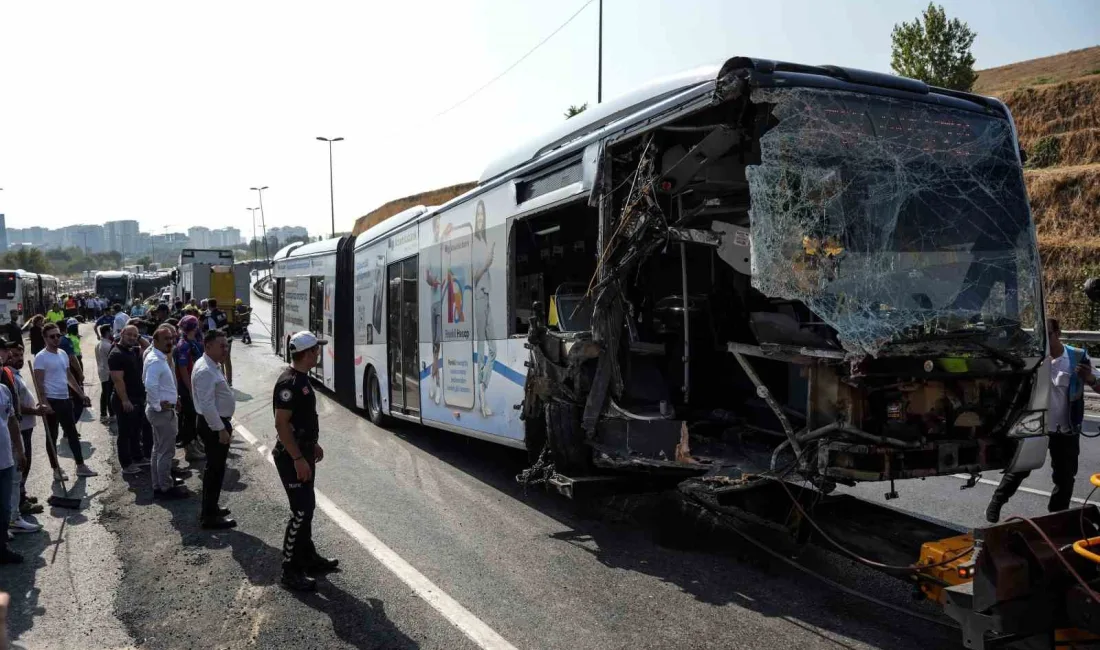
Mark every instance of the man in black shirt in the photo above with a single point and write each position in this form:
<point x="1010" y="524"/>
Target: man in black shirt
<point x="296" y="454"/>
<point x="12" y="332"/>
<point x="125" y="364"/>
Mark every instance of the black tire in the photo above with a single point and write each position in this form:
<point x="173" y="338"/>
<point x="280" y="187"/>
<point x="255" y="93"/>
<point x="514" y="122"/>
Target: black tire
<point x="568" y="443"/>
<point x="372" y="398"/>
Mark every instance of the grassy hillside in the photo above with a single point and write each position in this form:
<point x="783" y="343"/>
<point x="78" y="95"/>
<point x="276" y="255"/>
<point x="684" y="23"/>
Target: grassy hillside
<point x="1055" y="101"/>
<point x="1036" y="72"/>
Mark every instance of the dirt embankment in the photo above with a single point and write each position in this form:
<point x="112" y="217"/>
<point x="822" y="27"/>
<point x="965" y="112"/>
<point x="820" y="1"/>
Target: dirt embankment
<point x="1059" y="127"/>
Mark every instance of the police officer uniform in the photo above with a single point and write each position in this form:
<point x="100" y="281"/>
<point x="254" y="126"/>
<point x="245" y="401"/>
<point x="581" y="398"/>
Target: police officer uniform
<point x="293" y="392"/>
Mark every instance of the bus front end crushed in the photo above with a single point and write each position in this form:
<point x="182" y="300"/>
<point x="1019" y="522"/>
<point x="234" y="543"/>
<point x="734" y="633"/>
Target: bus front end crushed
<point x="818" y="274"/>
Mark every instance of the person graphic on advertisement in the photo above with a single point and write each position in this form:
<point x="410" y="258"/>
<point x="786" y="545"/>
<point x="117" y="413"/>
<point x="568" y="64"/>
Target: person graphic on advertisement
<point x="483" y="252"/>
<point x="434" y="278"/>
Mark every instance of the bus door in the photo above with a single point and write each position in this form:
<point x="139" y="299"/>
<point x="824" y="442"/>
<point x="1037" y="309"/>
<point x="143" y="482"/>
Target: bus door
<point x="317" y="319"/>
<point x="277" y="298"/>
<point x="402" y="333"/>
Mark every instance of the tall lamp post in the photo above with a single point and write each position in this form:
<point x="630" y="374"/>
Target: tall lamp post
<point x="263" y="222"/>
<point x="255" y="243"/>
<point x="331" y="196"/>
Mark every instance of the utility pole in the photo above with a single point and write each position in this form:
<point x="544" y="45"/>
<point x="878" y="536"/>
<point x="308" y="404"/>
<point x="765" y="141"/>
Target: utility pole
<point x="255" y="242"/>
<point x="263" y="222"/>
<point x="599" y="62"/>
<point x="332" y="200"/>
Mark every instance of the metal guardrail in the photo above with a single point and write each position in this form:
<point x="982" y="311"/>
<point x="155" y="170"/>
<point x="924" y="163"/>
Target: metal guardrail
<point x="1085" y="336"/>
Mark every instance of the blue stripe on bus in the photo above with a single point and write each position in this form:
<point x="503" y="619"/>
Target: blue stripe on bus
<point x="498" y="367"/>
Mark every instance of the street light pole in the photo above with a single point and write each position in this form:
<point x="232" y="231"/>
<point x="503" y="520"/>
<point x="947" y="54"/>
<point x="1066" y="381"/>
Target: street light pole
<point x="255" y="243"/>
<point x="331" y="196"/>
<point x="263" y="222"/>
<point x="599" y="62"/>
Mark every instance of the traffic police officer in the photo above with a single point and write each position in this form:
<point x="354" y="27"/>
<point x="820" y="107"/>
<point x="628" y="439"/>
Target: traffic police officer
<point x="296" y="454"/>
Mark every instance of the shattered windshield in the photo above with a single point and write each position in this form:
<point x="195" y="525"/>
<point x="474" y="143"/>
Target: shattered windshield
<point x="894" y="220"/>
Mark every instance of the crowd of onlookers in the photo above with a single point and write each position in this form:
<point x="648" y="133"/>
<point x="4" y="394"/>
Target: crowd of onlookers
<point x="165" y="375"/>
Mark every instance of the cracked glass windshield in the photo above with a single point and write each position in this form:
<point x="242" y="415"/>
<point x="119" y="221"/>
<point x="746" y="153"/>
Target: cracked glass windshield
<point x="894" y="220"/>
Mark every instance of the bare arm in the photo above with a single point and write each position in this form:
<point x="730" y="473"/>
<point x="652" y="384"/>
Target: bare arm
<point x="120" y="386"/>
<point x="39" y="382"/>
<point x="74" y="383"/>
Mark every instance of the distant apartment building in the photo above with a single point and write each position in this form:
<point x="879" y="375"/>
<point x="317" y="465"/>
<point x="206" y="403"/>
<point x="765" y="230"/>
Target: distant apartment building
<point x="87" y="237"/>
<point x="198" y="237"/>
<point x="3" y="234"/>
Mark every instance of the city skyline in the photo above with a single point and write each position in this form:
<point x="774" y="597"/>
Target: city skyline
<point x="126" y="237"/>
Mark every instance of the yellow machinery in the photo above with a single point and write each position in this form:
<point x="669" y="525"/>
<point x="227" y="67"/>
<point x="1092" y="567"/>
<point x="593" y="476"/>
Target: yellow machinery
<point x="223" y="289"/>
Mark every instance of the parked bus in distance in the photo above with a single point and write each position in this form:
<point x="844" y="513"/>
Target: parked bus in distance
<point x="21" y="291"/>
<point x="114" y="286"/>
<point x="760" y="267"/>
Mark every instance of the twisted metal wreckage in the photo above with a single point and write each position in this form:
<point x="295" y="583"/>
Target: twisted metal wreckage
<point x="858" y="294"/>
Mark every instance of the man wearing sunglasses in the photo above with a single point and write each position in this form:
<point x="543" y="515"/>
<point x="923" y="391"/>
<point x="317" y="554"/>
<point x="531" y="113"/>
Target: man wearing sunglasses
<point x="54" y="378"/>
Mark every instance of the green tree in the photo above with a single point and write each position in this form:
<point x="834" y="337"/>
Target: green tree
<point x="144" y="260"/>
<point x="28" y="259"/>
<point x="574" y="110"/>
<point x="934" y="50"/>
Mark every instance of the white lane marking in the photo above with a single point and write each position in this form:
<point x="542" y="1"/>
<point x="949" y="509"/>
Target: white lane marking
<point x="473" y="627"/>
<point x="1023" y="488"/>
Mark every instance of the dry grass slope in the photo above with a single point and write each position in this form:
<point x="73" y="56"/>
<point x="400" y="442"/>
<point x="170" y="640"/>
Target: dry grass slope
<point x="1046" y="70"/>
<point x="437" y="196"/>
<point x="1056" y="104"/>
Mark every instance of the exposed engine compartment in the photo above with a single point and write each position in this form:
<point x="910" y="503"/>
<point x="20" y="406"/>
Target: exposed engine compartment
<point x="796" y="280"/>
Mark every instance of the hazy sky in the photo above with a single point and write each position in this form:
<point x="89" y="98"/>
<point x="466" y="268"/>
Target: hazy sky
<point x="168" y="112"/>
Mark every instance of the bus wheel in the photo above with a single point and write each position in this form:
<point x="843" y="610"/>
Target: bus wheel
<point x="373" y="398"/>
<point x="572" y="455"/>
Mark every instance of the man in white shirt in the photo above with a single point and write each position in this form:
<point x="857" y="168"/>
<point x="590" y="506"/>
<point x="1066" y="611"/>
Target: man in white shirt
<point x="1070" y="372"/>
<point x="21" y="504"/>
<point x="54" y="378"/>
<point x="161" y="399"/>
<point x="121" y="320"/>
<point x="215" y="405"/>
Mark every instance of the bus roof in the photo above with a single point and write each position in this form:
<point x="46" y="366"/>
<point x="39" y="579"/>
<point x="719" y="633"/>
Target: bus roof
<point x="596" y="117"/>
<point x="284" y="252"/>
<point x="111" y="275"/>
<point x="392" y="223"/>
<point x="314" y="248"/>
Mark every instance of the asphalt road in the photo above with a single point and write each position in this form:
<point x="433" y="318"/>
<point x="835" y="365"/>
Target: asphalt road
<point x="440" y="548"/>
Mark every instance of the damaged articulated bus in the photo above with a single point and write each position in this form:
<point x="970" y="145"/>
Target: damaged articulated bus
<point x="780" y="270"/>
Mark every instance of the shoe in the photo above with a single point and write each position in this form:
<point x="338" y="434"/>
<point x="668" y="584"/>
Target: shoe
<point x="28" y="508"/>
<point x="218" y="523"/>
<point x="23" y="526"/>
<point x="131" y="469"/>
<point x="31" y="499"/>
<point x="11" y="536"/>
<point x="177" y="482"/>
<point x="8" y="556"/>
<point x="84" y="470"/>
<point x="319" y="564"/>
<point x="171" y="494"/>
<point x="144" y="462"/>
<point x="993" y="512"/>
<point x="223" y="512"/>
<point x="103" y="420"/>
<point x="59" y="475"/>
<point x="297" y="580"/>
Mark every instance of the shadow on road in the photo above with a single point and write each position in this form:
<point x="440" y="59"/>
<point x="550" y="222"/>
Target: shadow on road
<point x="654" y="535"/>
<point x="359" y="623"/>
